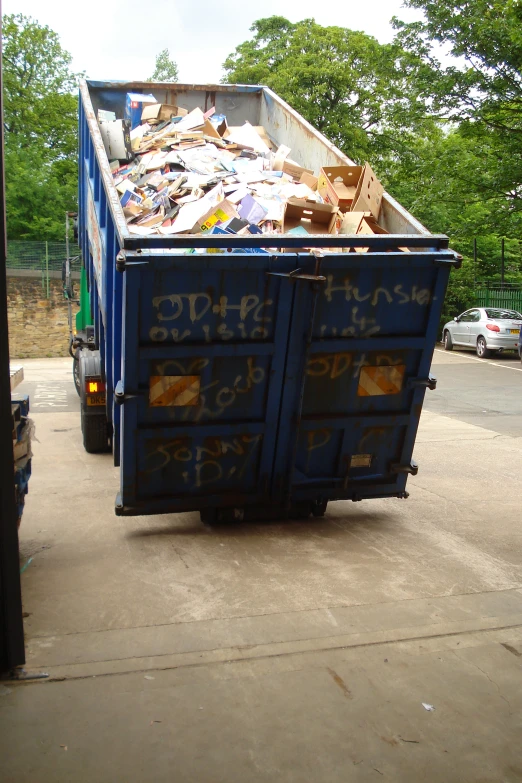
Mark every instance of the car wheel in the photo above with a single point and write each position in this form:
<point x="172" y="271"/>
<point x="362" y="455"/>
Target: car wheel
<point x="448" y="342"/>
<point x="482" y="350"/>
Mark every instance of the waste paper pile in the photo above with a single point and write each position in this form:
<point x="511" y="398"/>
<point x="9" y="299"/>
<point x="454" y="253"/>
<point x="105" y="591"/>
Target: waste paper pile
<point x="181" y="172"/>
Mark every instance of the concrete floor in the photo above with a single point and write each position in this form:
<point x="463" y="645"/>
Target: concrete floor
<point x="295" y="651"/>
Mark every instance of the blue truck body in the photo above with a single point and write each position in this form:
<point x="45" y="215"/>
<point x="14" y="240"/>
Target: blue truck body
<point x="256" y="383"/>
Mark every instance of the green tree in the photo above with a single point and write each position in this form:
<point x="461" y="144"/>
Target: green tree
<point x="348" y="85"/>
<point x="468" y="181"/>
<point x="166" y="70"/>
<point x="40" y="122"/>
<point x="479" y="89"/>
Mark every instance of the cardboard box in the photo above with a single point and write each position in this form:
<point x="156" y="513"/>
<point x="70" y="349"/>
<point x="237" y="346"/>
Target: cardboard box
<point x="134" y="106"/>
<point x="294" y="169"/>
<point x="338" y="185"/>
<point x="368" y="197"/>
<point x="161" y="112"/>
<point x="314" y="218"/>
<point x="310" y="180"/>
<point x="357" y="223"/>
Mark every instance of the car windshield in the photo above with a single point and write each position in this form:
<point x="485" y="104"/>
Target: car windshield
<point x="503" y="315"/>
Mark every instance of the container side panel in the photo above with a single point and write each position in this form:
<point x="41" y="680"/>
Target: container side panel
<point x="238" y="106"/>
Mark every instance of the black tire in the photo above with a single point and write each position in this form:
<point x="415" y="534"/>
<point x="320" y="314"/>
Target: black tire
<point x="482" y="351"/>
<point x="95" y="437"/>
<point x="208" y="516"/>
<point x="448" y="342"/>
<point x="318" y="508"/>
<point x="76" y="376"/>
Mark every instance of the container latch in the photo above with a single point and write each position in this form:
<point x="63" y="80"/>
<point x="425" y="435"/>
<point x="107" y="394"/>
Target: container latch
<point x="429" y="383"/>
<point x="412" y="468"/>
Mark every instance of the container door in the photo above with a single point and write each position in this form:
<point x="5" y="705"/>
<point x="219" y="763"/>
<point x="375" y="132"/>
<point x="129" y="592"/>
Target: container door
<point x="204" y="347"/>
<point x="360" y="350"/>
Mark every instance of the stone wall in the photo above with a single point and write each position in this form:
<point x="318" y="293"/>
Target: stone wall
<point x="38" y="326"/>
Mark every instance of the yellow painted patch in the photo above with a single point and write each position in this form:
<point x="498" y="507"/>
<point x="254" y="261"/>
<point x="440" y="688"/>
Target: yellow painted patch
<point x="378" y="381"/>
<point x="174" y="390"/>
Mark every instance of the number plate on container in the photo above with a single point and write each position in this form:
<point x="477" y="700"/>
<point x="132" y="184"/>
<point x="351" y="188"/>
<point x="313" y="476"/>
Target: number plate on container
<point x="96" y="399"/>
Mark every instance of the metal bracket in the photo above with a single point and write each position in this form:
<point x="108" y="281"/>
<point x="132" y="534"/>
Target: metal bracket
<point x="412" y="468"/>
<point x="119" y="394"/>
<point x="456" y="262"/>
<point x="429" y="383"/>
<point x="296" y="274"/>
<point x="122" y="262"/>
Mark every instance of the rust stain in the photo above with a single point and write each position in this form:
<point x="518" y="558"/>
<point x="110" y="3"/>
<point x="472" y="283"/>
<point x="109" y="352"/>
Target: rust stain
<point x="340" y="683"/>
<point x="390" y="740"/>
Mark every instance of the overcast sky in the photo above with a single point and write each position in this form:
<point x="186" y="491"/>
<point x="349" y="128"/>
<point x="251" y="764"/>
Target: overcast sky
<point x="119" y="39"/>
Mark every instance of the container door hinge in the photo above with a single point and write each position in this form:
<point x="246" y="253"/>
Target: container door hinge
<point x="119" y="394"/>
<point x="412" y="468"/>
<point x="123" y="263"/>
<point x="429" y="383"/>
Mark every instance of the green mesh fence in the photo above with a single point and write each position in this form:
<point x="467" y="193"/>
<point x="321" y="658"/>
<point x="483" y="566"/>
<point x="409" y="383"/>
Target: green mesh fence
<point x="40" y="256"/>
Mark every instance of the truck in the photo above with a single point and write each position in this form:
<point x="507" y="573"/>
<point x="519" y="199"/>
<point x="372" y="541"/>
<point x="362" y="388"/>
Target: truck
<point x="250" y="377"/>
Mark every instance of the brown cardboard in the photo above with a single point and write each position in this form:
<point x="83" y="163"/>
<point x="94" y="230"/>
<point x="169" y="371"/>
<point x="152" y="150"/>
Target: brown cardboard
<point x="210" y="130"/>
<point x="338" y="185"/>
<point x="161" y="111"/>
<point x="360" y="223"/>
<point x="313" y="217"/>
<point x="309" y="179"/>
<point x="368" y="197"/>
<point x="351" y="222"/>
<point x="294" y="169"/>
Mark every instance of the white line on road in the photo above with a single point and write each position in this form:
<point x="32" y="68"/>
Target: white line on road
<point x="482" y="361"/>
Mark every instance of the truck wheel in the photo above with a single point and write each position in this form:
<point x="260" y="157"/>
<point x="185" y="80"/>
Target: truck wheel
<point x="95" y="438"/>
<point x="319" y="508"/>
<point x="76" y="375"/>
<point x="208" y="516"/>
<point x="448" y="342"/>
<point x="482" y="350"/>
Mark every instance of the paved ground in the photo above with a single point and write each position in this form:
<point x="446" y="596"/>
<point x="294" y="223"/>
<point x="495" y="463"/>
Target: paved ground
<point x="285" y="651"/>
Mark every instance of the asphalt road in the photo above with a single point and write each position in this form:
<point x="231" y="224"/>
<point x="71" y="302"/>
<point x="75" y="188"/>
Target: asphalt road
<point x="49" y="384"/>
<point x="381" y="642"/>
<point x="485" y="392"/>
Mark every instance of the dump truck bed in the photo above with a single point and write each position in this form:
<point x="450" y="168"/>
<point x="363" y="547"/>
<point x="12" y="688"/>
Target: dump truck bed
<point x="242" y="383"/>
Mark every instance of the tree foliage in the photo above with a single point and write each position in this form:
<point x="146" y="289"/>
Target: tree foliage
<point x="40" y="125"/>
<point x="348" y="85"/>
<point x="166" y="70"/>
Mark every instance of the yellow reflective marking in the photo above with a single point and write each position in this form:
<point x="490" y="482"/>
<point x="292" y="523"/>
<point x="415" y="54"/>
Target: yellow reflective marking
<point x="378" y="381"/>
<point x="174" y="390"/>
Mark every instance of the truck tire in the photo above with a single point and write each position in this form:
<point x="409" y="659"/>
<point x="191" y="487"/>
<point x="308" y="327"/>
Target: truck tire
<point x="76" y="375"/>
<point x="94" y="430"/>
<point x="319" y="508"/>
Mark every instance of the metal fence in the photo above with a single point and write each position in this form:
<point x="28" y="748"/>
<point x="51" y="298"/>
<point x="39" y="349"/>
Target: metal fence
<point x="43" y="257"/>
<point x="508" y="297"/>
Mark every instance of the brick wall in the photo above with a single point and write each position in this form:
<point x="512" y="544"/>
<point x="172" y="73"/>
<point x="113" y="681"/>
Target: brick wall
<point x="38" y="326"/>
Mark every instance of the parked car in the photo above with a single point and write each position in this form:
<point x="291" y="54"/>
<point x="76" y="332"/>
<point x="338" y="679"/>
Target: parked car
<point x="485" y="330"/>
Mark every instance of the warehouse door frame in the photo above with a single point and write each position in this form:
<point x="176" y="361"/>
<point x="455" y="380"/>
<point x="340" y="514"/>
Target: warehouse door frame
<point x="12" y="652"/>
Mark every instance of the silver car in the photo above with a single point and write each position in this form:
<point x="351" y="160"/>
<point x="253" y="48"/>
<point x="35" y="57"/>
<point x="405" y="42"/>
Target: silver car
<point x="485" y="330"/>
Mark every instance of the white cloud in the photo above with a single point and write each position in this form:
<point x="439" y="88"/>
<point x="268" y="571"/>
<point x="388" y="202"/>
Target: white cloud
<point x="120" y="39"/>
